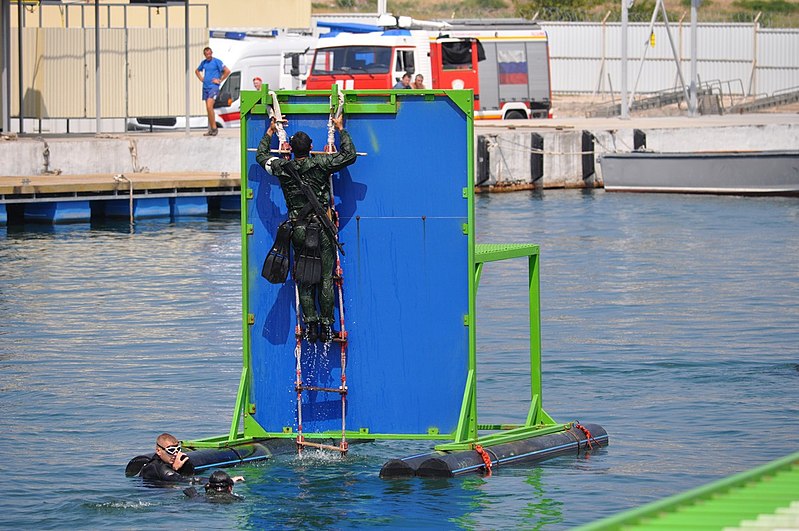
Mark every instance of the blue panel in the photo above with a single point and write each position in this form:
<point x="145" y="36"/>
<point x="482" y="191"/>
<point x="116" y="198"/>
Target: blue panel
<point x="189" y="206"/>
<point x="142" y="208"/>
<point x="406" y="277"/>
<point x="230" y="203"/>
<point x="3" y="214"/>
<point x="58" y="212"/>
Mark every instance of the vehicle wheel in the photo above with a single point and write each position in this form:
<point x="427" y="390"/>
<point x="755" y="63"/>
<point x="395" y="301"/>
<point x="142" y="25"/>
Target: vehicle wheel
<point x="516" y="115"/>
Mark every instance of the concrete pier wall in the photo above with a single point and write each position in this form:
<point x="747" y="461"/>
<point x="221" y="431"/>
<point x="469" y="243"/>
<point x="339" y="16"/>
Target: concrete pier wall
<point x="510" y="152"/>
<point x="123" y="154"/>
<point x="509" y="147"/>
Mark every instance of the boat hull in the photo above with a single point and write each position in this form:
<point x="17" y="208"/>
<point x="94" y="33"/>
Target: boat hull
<point x="740" y="173"/>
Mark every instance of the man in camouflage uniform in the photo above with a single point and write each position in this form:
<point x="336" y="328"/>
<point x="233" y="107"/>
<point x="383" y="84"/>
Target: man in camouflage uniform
<point x="314" y="170"/>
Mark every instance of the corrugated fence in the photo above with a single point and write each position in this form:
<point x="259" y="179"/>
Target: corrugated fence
<point x="586" y="57"/>
<point x="143" y="69"/>
<point x="143" y="72"/>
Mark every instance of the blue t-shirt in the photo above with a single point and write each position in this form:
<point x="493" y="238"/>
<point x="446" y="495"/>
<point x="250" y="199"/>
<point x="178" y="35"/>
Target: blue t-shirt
<point x="213" y="70"/>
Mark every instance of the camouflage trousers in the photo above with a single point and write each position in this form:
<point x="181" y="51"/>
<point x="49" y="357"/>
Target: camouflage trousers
<point x="309" y="293"/>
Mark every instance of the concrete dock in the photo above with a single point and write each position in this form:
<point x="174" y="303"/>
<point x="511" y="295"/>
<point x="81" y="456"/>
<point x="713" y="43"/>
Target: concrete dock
<point x="568" y="148"/>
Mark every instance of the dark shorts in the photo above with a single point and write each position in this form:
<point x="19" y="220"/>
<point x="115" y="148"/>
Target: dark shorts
<point x="210" y="92"/>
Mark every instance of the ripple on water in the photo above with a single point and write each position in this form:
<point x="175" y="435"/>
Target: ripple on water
<point x="669" y="320"/>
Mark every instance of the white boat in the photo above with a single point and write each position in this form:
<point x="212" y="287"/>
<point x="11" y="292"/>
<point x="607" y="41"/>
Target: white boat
<point x="716" y="172"/>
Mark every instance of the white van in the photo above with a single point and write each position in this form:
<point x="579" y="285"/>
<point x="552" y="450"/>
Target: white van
<point x="280" y="59"/>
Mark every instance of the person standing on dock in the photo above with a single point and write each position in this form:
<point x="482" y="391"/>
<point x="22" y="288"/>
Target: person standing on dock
<point x="212" y="72"/>
<point x="314" y="174"/>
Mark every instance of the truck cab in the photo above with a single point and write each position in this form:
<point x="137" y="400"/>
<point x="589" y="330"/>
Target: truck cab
<point x="373" y="60"/>
<point x="280" y="60"/>
<point x="506" y="66"/>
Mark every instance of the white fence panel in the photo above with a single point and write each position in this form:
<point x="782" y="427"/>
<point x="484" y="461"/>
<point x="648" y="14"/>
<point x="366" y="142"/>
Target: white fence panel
<point x="726" y="52"/>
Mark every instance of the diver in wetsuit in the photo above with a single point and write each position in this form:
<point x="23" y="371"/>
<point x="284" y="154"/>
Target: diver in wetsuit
<point x="311" y="243"/>
<point x="169" y="464"/>
<point x="218" y="489"/>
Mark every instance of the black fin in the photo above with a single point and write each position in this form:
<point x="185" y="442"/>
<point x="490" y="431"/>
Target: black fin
<point x="308" y="264"/>
<point x="276" y="265"/>
<point x="136" y="464"/>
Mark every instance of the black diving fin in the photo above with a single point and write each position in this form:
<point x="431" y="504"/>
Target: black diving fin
<point x="276" y="265"/>
<point x="308" y="262"/>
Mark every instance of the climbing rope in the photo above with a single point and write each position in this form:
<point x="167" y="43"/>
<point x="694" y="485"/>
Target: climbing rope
<point x="338" y="275"/>
<point x="298" y="359"/>
<point x="338" y="278"/>
<point x="486" y="458"/>
<point x="283" y="143"/>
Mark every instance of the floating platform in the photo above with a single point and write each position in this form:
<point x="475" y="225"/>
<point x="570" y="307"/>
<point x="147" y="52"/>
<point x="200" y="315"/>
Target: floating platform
<point x="79" y="198"/>
<point x="525" y="451"/>
<point x="201" y="459"/>
<point x="411" y="261"/>
<point x="718" y="172"/>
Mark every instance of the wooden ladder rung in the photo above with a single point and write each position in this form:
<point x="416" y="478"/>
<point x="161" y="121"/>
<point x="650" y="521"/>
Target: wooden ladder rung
<point x="340" y="390"/>
<point x="321" y="446"/>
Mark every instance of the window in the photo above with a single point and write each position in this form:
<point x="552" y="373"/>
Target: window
<point x="457" y="55"/>
<point x="230" y="90"/>
<point x="346" y="59"/>
<point x="404" y="61"/>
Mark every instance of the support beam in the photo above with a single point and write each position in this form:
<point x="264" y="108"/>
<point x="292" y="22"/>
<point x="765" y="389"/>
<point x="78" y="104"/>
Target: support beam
<point x="693" y="87"/>
<point x="625" y="106"/>
<point x="5" y="60"/>
<point x="20" y="25"/>
<point x="187" y="59"/>
<point x="97" y="65"/>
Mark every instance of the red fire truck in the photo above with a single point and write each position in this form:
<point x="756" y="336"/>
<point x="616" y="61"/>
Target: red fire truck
<point x="505" y="62"/>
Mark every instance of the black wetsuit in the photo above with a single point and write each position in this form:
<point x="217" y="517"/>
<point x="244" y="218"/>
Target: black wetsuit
<point x="156" y="470"/>
<point x="212" y="496"/>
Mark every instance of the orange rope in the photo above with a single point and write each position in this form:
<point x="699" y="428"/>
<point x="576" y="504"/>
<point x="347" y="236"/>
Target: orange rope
<point x="587" y="433"/>
<point x="486" y="458"/>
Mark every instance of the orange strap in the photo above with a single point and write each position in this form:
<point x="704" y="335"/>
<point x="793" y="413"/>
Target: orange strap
<point x="486" y="458"/>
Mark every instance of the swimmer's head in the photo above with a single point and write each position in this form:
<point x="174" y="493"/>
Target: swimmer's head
<point x="219" y="481"/>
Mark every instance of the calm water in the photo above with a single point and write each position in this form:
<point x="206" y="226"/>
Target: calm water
<point x="671" y="320"/>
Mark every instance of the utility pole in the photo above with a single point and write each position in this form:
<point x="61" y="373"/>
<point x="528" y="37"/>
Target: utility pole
<point x="188" y="67"/>
<point x="97" y="65"/>
<point x="625" y="111"/>
<point x="692" y="103"/>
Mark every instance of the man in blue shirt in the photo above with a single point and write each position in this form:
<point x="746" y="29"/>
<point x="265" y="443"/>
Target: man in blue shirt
<point x="212" y="72"/>
<point x="405" y="82"/>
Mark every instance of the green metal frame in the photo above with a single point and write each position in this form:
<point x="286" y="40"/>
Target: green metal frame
<point x="466" y="435"/>
<point x="538" y="422"/>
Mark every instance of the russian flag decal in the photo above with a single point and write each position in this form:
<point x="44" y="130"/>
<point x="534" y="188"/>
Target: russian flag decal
<point x="512" y="67"/>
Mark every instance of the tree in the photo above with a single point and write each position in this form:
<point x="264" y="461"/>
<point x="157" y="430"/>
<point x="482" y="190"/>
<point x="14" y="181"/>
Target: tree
<point x="528" y="8"/>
